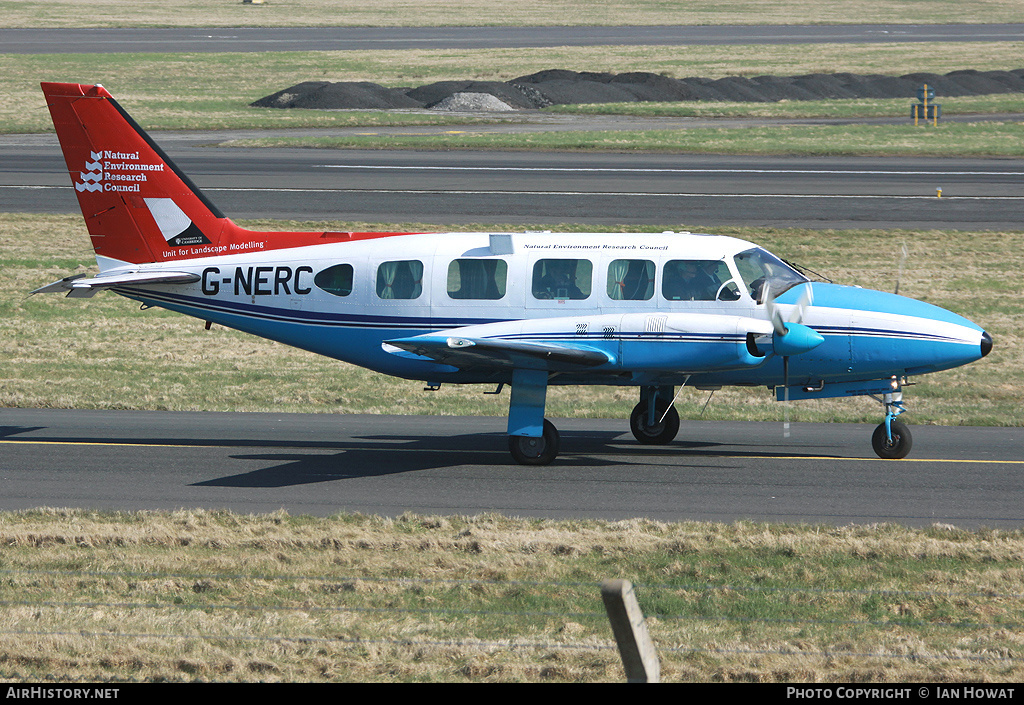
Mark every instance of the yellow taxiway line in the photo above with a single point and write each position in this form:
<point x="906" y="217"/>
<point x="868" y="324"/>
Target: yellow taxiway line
<point x="125" y="444"/>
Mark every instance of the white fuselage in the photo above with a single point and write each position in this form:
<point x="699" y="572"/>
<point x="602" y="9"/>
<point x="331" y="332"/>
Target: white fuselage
<point x="622" y="293"/>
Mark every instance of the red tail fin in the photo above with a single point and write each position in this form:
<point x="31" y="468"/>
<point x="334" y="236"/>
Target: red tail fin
<point x="139" y="207"/>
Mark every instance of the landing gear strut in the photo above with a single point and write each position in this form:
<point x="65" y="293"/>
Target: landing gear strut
<point x="532" y="439"/>
<point x="891" y="439"/>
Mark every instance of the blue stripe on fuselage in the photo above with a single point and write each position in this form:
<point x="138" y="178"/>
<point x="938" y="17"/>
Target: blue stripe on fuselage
<point x="199" y="306"/>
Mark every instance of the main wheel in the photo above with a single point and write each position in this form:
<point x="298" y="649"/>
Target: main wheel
<point x="658" y="433"/>
<point x="895" y="448"/>
<point x="535" y="451"/>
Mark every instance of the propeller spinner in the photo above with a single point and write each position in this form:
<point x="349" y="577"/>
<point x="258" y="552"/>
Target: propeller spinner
<point x="791" y="337"/>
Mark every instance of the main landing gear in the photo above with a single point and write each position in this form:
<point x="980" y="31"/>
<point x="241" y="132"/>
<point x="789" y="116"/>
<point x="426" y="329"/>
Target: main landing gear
<point x="533" y="440"/>
<point x="528" y="450"/>
<point x="654" y="420"/>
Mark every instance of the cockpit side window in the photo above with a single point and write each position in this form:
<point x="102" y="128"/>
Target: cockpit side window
<point x="763" y="272"/>
<point x="698" y="280"/>
<point x="562" y="279"/>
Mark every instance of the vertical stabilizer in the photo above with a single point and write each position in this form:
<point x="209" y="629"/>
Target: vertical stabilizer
<point x="139" y="207"/>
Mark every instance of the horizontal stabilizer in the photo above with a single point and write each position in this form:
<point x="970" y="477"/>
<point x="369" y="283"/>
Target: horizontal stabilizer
<point x="77" y="286"/>
<point x="497" y="353"/>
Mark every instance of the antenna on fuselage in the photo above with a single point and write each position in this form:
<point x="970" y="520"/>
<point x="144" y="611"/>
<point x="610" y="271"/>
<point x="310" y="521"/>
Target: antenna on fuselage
<point x="904" y="253"/>
<point x="676" y="398"/>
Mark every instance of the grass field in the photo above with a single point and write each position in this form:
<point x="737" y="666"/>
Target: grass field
<point x="160" y="91"/>
<point x="974" y="139"/>
<point x="215" y="596"/>
<point x="397" y="13"/>
<point x="213" y="91"/>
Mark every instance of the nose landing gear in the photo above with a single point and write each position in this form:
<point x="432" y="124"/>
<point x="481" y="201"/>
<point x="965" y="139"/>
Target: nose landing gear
<point x="891" y="439"/>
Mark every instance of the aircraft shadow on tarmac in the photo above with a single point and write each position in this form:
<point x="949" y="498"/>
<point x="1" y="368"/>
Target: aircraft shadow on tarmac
<point x="9" y="431"/>
<point x="288" y="463"/>
<point x="392" y="455"/>
<point x="376" y="456"/>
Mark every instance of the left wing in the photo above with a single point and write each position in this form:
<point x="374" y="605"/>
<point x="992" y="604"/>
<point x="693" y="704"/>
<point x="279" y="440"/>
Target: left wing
<point x="463" y="352"/>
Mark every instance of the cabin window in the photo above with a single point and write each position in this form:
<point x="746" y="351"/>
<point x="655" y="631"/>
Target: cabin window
<point x="335" y="280"/>
<point x="698" y="280"/>
<point x="562" y="279"/>
<point x="477" y="278"/>
<point x="400" y="280"/>
<point x="764" y="272"/>
<point x="631" y="280"/>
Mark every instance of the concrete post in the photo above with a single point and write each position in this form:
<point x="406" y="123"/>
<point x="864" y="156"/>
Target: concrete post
<point x="639" y="656"/>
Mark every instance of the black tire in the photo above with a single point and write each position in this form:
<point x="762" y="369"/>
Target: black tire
<point x="658" y="433"/>
<point x="535" y="451"/>
<point x="898" y="447"/>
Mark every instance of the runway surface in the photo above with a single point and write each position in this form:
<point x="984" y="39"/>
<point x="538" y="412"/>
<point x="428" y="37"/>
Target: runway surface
<point x="698" y="192"/>
<point x="322" y="464"/>
<point x="262" y="39"/>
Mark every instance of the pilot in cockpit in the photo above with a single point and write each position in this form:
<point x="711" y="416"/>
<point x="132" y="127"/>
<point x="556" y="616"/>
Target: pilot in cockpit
<point x="686" y="280"/>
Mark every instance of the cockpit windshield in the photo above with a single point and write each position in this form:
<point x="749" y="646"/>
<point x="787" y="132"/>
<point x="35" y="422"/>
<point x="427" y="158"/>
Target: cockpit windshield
<point x="762" y="271"/>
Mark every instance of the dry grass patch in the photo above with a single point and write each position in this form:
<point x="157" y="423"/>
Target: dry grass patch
<point x="215" y="596"/>
<point x="397" y="13"/>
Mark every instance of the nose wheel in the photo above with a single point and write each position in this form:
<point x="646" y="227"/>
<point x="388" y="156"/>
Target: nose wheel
<point x="891" y="439"/>
<point x="892" y="443"/>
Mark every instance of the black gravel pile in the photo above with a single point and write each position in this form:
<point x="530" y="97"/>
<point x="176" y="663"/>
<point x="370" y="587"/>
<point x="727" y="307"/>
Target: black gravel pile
<point x="321" y="95"/>
<point x="558" y="86"/>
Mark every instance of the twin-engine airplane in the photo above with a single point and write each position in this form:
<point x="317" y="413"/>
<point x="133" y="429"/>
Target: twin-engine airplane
<point x="653" y="311"/>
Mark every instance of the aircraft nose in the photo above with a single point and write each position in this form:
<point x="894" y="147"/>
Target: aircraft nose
<point x="986" y="344"/>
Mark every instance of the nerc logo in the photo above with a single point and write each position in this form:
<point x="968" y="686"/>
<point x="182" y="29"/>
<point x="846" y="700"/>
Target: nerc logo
<point x="91" y="179"/>
<point x="114" y="172"/>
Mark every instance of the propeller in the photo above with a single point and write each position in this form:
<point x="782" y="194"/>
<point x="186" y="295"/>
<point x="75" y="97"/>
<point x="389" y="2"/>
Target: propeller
<point x="802" y="304"/>
<point x="791" y="337"/>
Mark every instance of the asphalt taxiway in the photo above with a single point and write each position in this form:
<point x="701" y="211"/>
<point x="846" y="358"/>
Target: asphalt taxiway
<point x="458" y="187"/>
<point x="260" y="39"/>
<point x="321" y="464"/>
